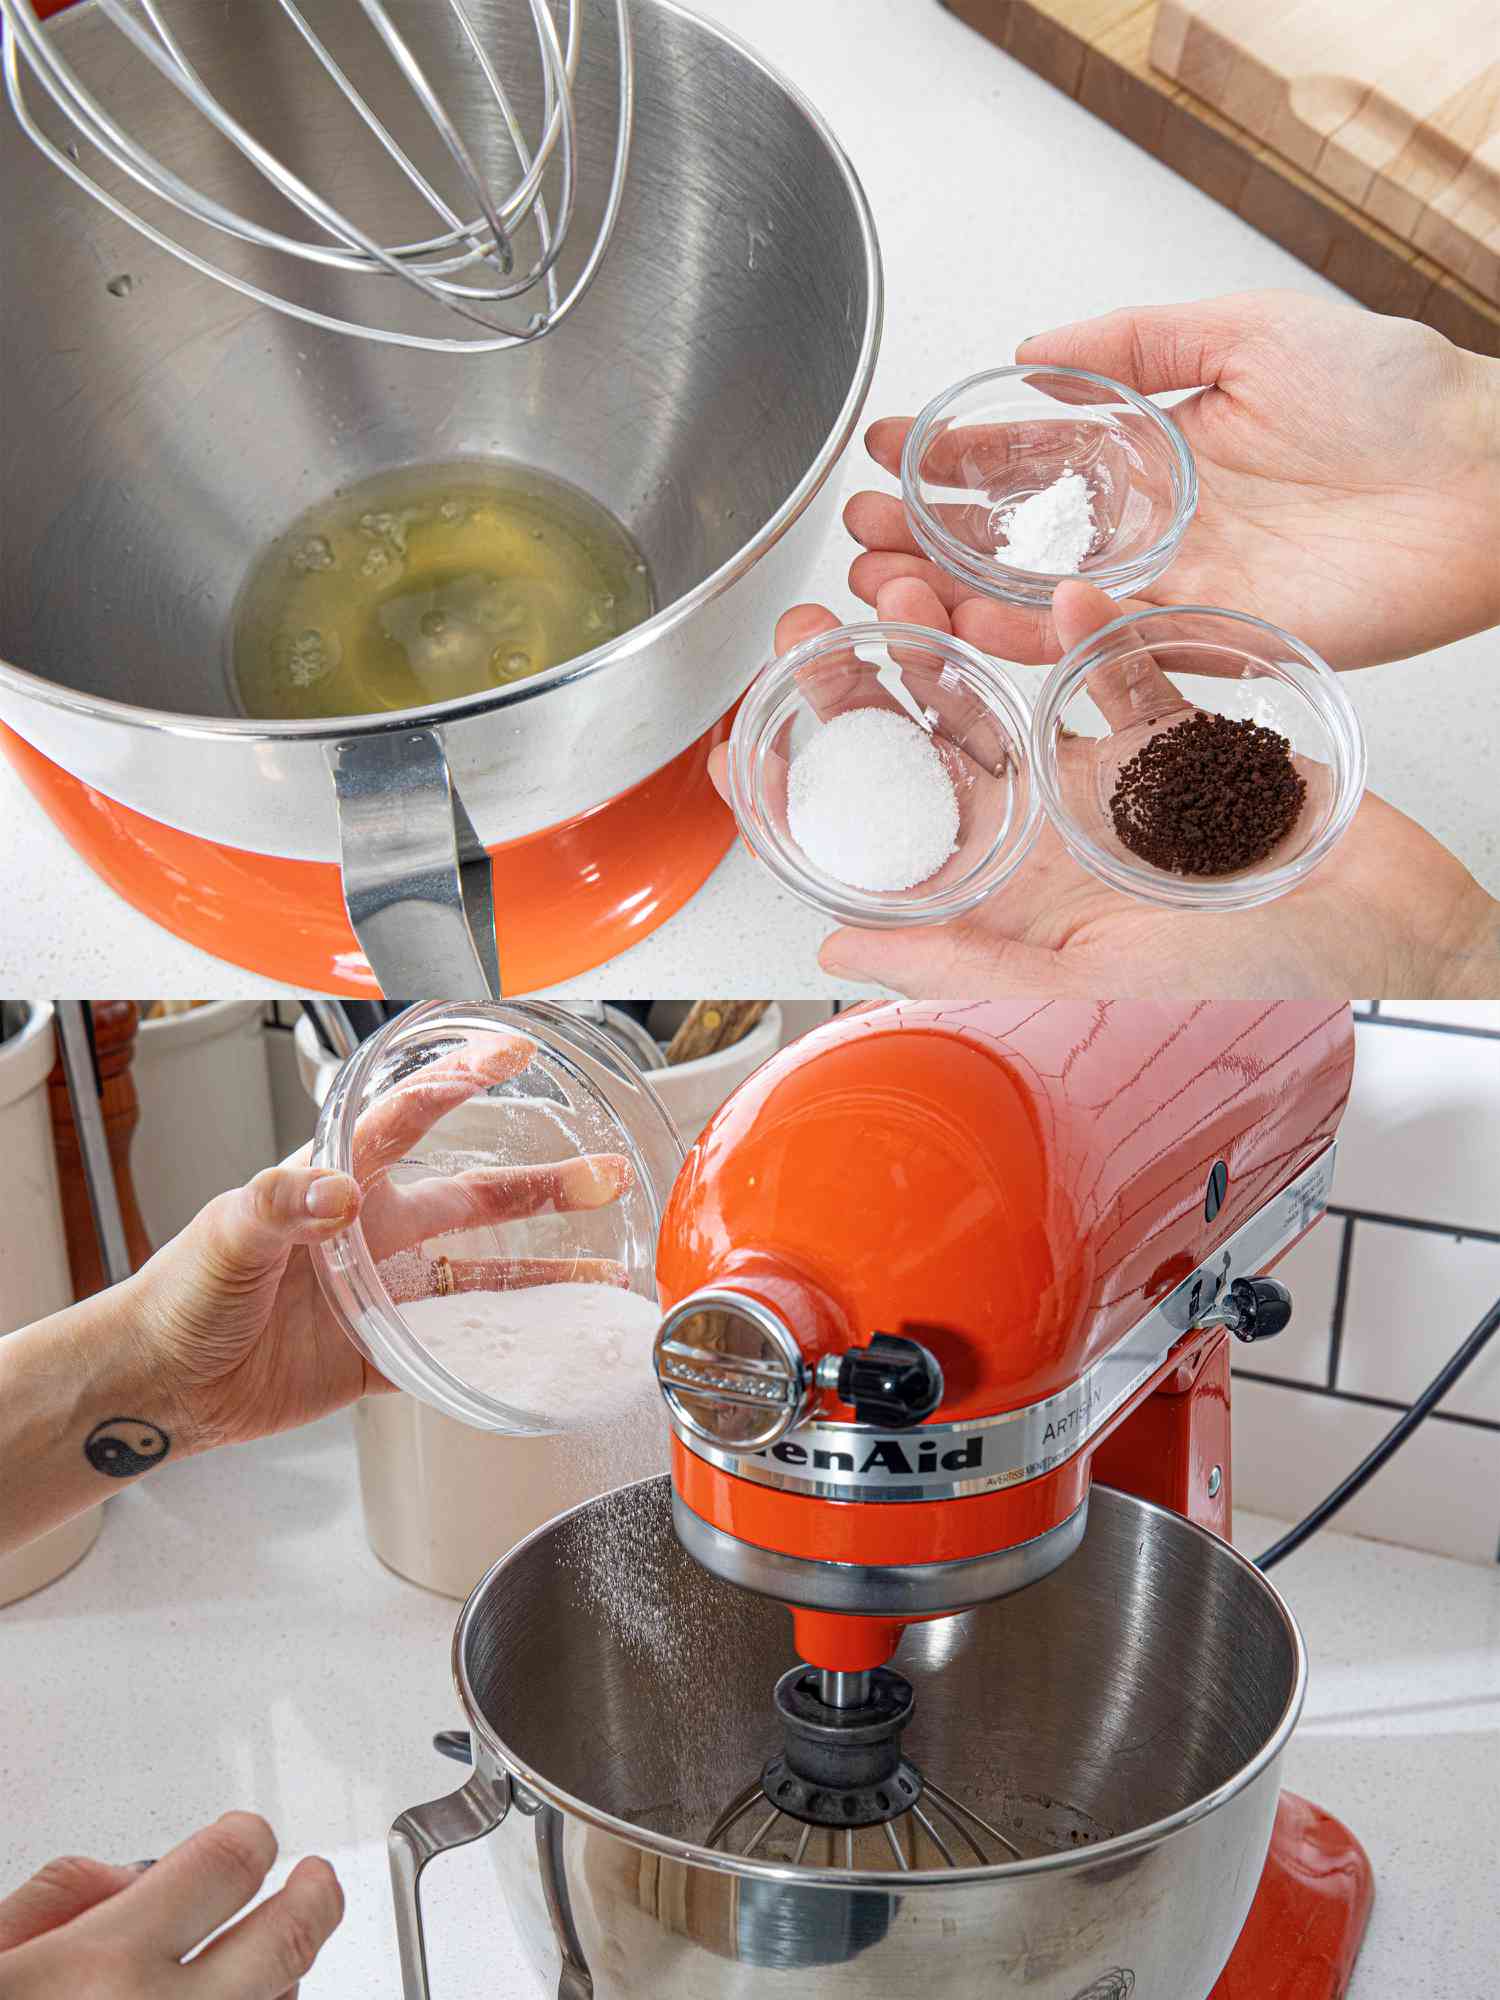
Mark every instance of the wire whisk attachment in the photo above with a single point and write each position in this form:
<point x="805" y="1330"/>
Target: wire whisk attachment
<point x="485" y="183"/>
<point x="939" y="1831"/>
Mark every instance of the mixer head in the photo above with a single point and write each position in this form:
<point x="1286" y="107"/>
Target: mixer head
<point x="479" y="187"/>
<point x="918" y="1273"/>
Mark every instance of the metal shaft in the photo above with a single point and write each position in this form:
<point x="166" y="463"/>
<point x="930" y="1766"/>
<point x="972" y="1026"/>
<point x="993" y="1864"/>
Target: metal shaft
<point x="843" y="1690"/>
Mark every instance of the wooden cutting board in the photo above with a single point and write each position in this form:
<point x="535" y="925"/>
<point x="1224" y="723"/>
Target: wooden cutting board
<point x="1394" y="107"/>
<point x="1099" y="53"/>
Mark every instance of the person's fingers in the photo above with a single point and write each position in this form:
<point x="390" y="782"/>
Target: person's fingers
<point x="911" y="600"/>
<point x="390" y="1128"/>
<point x="407" y="1276"/>
<point x="878" y="522"/>
<point x="803" y="622"/>
<point x="403" y="1216"/>
<point x="718" y="770"/>
<point x="56" y="1894"/>
<point x="193" y="1890"/>
<point x="1149" y="348"/>
<point x="1008" y="631"/>
<point x="269" y="1951"/>
<point x="1126" y="692"/>
<point x="830" y="685"/>
<point x="885" y="441"/>
<point x="824" y="682"/>
<point x="869" y="573"/>
<point x="967" y="455"/>
<point x="253" y="1229"/>
<point x="1080" y="609"/>
<point x="946" y="962"/>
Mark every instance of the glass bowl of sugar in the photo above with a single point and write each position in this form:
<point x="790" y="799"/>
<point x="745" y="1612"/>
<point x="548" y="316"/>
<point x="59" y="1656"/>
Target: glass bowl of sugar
<point x="881" y="773"/>
<point x="1020" y="477"/>
<point x="515" y="1164"/>
<point x="1197" y="759"/>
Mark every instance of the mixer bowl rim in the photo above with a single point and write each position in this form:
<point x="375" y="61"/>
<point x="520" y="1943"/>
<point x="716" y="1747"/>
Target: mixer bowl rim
<point x="171" y="722"/>
<point x="1121" y="1848"/>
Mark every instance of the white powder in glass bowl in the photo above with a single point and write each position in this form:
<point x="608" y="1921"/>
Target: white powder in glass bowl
<point x="577" y="1355"/>
<point x="870" y="801"/>
<point x="1051" y="531"/>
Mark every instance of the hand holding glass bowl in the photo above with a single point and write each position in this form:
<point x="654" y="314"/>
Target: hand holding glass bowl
<point x="1371" y="540"/>
<point x="981" y="451"/>
<point x="241" y="1333"/>
<point x="502" y="1147"/>
<point x="1125" y="682"/>
<point x="1388" y="911"/>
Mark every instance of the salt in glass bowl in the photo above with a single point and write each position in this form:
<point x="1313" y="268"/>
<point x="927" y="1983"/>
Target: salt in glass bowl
<point x="1138" y="677"/>
<point x="978" y="719"/>
<point x="981" y="448"/>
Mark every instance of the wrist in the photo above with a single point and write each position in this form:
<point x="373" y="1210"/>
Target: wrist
<point x="1479" y="428"/>
<point x="80" y="1413"/>
<point x="1467" y="965"/>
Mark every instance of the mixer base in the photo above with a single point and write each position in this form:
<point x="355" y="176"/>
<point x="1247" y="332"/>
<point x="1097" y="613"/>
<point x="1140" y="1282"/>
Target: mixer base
<point x="1309" y="1918"/>
<point x="567" y="899"/>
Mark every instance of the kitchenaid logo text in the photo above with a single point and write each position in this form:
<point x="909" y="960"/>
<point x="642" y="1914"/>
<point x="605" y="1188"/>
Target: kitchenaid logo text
<point x="902" y="1458"/>
<point x="998" y="1454"/>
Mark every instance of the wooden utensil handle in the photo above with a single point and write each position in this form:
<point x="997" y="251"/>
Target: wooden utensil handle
<point x="115" y="1025"/>
<point x="712" y="1025"/>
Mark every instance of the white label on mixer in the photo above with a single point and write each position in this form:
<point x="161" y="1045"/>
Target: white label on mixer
<point x="936" y="1461"/>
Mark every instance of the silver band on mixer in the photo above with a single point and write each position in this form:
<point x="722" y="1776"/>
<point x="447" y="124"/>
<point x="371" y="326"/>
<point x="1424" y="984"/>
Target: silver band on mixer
<point x="877" y="1590"/>
<point x="858" y="1462"/>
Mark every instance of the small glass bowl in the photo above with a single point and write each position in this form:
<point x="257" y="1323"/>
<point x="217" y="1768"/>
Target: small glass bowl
<point x="1128" y="683"/>
<point x="981" y="448"/>
<point x="979" y="722"/>
<point x="446" y="1095"/>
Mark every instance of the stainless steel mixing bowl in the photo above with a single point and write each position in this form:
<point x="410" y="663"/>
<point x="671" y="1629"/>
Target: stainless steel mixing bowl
<point x="160" y="430"/>
<point x="1126" y="1717"/>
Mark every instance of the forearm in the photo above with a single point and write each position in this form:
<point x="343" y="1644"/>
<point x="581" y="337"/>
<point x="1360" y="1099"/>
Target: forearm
<point x="80" y="1416"/>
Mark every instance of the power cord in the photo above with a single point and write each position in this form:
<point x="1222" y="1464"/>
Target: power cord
<point x="1391" y="1443"/>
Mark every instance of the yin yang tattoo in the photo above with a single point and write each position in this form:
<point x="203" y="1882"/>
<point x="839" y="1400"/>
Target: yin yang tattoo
<point x="121" y="1447"/>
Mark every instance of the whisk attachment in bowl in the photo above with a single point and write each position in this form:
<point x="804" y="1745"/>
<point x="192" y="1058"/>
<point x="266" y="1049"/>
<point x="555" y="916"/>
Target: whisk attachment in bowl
<point x="841" y="1794"/>
<point x="469" y="264"/>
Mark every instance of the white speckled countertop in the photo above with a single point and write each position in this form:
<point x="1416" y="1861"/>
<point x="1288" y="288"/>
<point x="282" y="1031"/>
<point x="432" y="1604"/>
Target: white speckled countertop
<point x="231" y="1641"/>
<point x="1019" y="212"/>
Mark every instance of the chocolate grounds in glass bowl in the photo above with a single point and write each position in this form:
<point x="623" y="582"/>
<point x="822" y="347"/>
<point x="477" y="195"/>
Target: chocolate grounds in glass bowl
<point x="1210" y="796"/>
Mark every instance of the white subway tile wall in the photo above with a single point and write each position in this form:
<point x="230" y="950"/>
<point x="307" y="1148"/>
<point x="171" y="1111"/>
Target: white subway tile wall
<point x="1386" y="1287"/>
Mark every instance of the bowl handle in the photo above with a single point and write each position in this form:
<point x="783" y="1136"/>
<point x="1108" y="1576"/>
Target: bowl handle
<point x="421" y="1832"/>
<point x="418" y="884"/>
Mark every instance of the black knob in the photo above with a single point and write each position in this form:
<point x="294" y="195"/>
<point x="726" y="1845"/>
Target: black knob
<point x="893" y="1382"/>
<point x="1257" y="1308"/>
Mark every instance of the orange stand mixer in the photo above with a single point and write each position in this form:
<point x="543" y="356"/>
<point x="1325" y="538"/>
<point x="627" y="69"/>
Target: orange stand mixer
<point x="929" y="1275"/>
